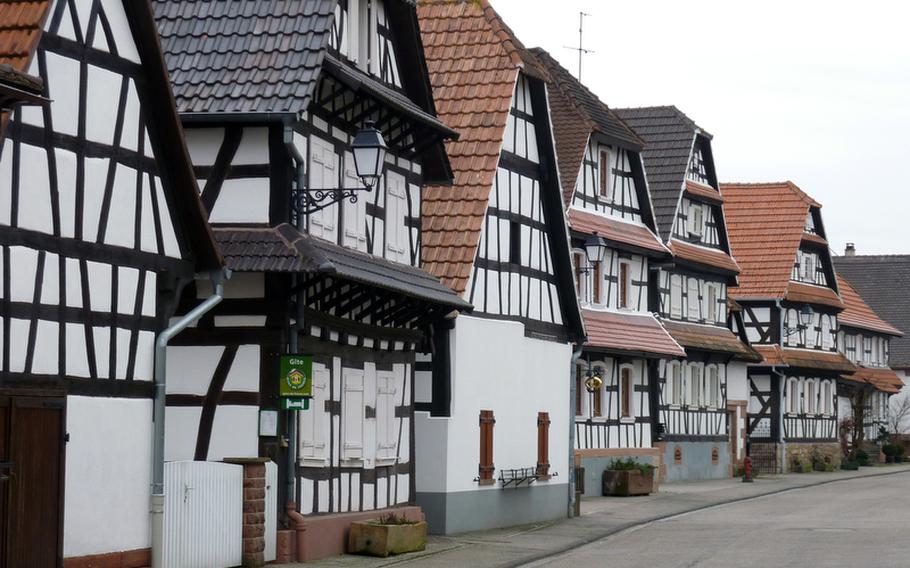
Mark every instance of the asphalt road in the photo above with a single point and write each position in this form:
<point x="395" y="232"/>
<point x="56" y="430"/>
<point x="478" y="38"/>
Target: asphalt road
<point x="861" y="523"/>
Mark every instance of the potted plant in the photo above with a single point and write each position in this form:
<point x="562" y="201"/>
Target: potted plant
<point x="628" y="477"/>
<point x="862" y="458"/>
<point x="389" y="534"/>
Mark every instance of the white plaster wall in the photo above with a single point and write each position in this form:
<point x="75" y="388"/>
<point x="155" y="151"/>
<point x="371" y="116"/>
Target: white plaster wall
<point x="108" y="465"/>
<point x="495" y="367"/>
<point x="737" y="381"/>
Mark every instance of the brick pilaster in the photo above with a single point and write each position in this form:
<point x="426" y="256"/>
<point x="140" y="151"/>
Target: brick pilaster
<point x="253" y="511"/>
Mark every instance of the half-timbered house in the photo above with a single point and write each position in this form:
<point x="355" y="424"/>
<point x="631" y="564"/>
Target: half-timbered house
<point x="100" y="227"/>
<point x="700" y="423"/>
<point x="789" y="295"/>
<point x="882" y="281"/>
<point x="493" y="399"/>
<point x="605" y="193"/>
<point x="865" y="339"/>
<point x="271" y="94"/>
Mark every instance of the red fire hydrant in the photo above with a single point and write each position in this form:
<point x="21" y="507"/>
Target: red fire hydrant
<point x="747" y="470"/>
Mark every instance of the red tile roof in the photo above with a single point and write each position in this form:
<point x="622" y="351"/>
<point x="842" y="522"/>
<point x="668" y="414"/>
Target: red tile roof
<point x="815" y="239"/>
<point x="858" y="313"/>
<point x="629" y="333"/>
<point x="615" y="231"/>
<point x="882" y="379"/>
<point x="809" y="294"/>
<point x="710" y="338"/>
<point x="805" y="359"/>
<point x="765" y="223"/>
<point x="473" y="60"/>
<point x="702" y="255"/>
<point x="21" y="23"/>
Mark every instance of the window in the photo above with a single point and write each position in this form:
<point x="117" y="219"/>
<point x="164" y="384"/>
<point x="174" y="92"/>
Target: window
<point x="713" y="394"/>
<point x="515" y="242"/>
<point x="695" y="384"/>
<point x="696" y="220"/>
<point x="793" y="396"/>
<point x="850" y="348"/>
<point x="597" y="402"/>
<point x="711" y="303"/>
<point x="625" y="392"/>
<point x="386" y="430"/>
<point x="675" y="382"/>
<point x="354" y="214"/>
<point x="486" y="468"/>
<point x="625" y="283"/>
<point x="397" y="233"/>
<point x="543" y="444"/>
<point x="810" y="397"/>
<point x="675" y="295"/>
<point x="827" y="339"/>
<point x="604" y="185"/>
<point x="692" y="299"/>
<point x="808" y="268"/>
<point x="578" y="263"/>
<point x="824" y="406"/>
<point x="352" y="413"/>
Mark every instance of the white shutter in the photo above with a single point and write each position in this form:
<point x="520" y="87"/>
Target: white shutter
<point x="355" y="214"/>
<point x="323" y="174"/>
<point x="676" y="295"/>
<point x="352" y="414"/>
<point x="395" y="212"/>
<point x="386" y="433"/>
<point x="313" y="442"/>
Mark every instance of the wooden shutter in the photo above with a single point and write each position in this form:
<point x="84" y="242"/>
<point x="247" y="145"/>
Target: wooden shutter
<point x="598" y="402"/>
<point x="543" y="444"/>
<point x="597" y="279"/>
<point x="623" y="285"/>
<point x="313" y="421"/>
<point x="625" y="391"/>
<point x="386" y="431"/>
<point x="323" y="174"/>
<point x="486" y="467"/>
<point x="604" y="173"/>
<point x="352" y="412"/>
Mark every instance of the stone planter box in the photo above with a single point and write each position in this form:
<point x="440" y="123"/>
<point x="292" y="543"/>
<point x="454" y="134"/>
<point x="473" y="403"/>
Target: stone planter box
<point x="371" y="538"/>
<point x="625" y="483"/>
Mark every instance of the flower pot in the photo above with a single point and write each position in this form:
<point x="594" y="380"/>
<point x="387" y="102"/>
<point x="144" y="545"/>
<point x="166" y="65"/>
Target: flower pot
<point x="374" y="539"/>
<point x="626" y="483"/>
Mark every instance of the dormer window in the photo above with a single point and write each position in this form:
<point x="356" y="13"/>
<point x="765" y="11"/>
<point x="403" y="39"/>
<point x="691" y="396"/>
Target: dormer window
<point x="808" y="268"/>
<point x="603" y="188"/>
<point x="696" y="220"/>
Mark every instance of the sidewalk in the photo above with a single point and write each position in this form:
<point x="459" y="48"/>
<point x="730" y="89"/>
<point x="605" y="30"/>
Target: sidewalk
<point x="601" y="517"/>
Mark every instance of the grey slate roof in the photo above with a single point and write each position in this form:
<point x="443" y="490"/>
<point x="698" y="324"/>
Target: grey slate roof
<point x="602" y="119"/>
<point x="285" y="249"/>
<point x="244" y="56"/>
<point x="669" y="135"/>
<point x="883" y="281"/>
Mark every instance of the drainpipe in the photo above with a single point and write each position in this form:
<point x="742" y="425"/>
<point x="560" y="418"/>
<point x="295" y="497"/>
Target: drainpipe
<point x="573" y="372"/>
<point x="157" y="497"/>
<point x="296" y="521"/>
<point x="782" y="384"/>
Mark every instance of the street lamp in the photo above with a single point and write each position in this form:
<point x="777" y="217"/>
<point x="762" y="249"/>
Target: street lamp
<point x="805" y="318"/>
<point x="595" y="250"/>
<point x="369" y="149"/>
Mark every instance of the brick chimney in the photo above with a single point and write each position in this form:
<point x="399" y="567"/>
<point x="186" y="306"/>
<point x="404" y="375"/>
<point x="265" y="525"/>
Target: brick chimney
<point x="850" y="250"/>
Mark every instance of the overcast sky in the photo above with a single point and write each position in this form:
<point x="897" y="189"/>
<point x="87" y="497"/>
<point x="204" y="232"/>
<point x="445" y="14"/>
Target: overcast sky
<point x="814" y="92"/>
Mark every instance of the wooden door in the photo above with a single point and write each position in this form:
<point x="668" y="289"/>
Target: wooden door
<point x="31" y="475"/>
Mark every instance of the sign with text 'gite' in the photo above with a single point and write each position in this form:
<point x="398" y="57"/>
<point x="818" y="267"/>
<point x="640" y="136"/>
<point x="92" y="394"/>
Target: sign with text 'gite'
<point x="296" y="376"/>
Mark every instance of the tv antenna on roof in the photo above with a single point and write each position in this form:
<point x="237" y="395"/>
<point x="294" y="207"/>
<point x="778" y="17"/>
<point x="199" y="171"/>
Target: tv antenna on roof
<point x="581" y="46"/>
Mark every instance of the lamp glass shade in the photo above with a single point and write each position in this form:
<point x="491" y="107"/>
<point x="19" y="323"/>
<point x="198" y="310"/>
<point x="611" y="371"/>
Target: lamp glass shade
<point x="369" y="149"/>
<point x="805" y="315"/>
<point x="595" y="249"/>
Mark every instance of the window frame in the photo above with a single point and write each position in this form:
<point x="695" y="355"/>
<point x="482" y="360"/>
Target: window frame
<point x="696" y="385"/>
<point x="676" y="304"/>
<point x="624" y="290"/>
<point x="626" y="393"/>
<point x="604" y="174"/>
<point x="693" y="302"/>
<point x="694" y="229"/>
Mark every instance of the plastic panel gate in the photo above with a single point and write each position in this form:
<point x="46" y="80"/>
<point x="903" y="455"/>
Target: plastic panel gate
<point x="203" y="518"/>
<point x="271" y="511"/>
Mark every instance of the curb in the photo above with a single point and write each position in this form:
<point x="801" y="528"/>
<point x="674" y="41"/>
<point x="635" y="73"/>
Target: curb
<point x="643" y="522"/>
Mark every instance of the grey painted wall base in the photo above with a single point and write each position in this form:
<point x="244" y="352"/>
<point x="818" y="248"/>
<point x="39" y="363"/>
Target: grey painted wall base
<point x="464" y="511"/>
<point x="594" y="471"/>
<point x="696" y="461"/>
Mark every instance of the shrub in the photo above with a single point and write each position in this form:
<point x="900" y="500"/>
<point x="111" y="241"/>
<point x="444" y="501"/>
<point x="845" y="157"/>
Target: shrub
<point x="862" y="458"/>
<point x="901" y="450"/>
<point x="630" y="464"/>
<point x="849" y="465"/>
<point x="890" y="450"/>
<point x="393" y="519"/>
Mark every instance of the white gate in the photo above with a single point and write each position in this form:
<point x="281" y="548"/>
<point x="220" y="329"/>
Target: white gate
<point x="203" y="515"/>
<point x="271" y="511"/>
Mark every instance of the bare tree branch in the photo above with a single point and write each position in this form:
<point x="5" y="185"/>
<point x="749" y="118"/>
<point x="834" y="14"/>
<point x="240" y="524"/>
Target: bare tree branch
<point x="899" y="413"/>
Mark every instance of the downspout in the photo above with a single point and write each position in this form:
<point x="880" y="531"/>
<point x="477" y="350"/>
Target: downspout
<point x="573" y="373"/>
<point x="157" y="497"/>
<point x="781" y="381"/>
<point x="296" y="521"/>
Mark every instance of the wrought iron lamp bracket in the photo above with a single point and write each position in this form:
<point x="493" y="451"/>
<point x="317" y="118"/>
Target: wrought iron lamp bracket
<point x="306" y="201"/>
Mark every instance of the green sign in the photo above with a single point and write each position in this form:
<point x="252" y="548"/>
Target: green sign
<point x="296" y="376"/>
<point x="295" y="404"/>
